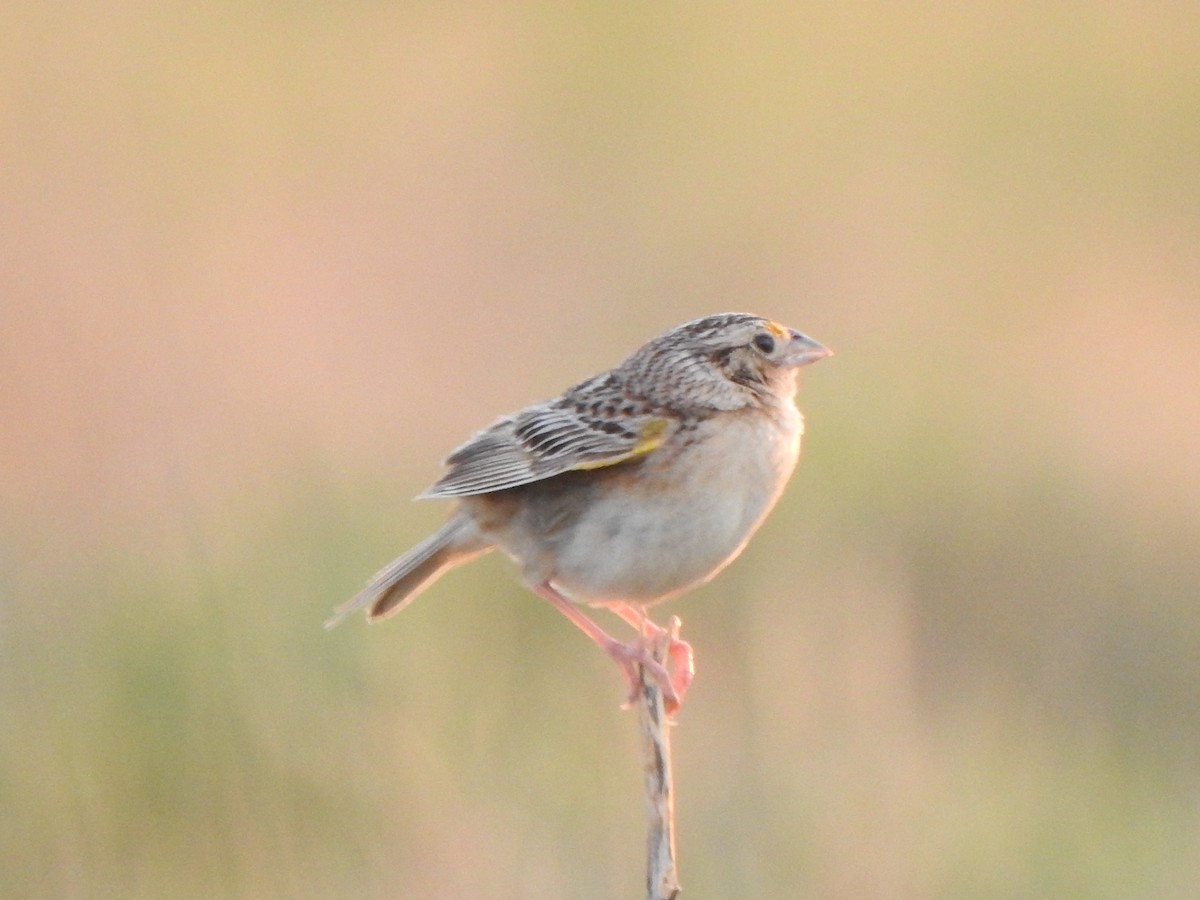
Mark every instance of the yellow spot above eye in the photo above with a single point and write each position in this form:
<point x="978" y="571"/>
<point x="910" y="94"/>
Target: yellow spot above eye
<point x="649" y="438"/>
<point x="780" y="331"/>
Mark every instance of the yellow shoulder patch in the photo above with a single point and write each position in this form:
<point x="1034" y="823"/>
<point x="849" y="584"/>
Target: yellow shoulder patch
<point x="651" y="436"/>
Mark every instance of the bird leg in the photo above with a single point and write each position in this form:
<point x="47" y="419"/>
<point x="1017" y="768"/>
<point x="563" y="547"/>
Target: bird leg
<point x="627" y="656"/>
<point x="679" y="652"/>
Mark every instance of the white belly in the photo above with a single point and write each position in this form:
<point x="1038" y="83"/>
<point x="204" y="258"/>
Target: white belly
<point x="681" y="521"/>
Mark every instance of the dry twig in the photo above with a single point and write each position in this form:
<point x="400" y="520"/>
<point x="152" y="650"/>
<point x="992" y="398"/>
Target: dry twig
<point x="662" y="881"/>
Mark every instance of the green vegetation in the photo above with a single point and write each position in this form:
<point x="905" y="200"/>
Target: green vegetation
<point x="264" y="265"/>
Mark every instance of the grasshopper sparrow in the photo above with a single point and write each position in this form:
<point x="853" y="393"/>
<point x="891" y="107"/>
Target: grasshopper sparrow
<point x="630" y="487"/>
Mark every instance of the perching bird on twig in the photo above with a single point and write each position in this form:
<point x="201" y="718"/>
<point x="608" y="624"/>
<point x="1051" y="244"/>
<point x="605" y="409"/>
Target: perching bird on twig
<point x="630" y="487"/>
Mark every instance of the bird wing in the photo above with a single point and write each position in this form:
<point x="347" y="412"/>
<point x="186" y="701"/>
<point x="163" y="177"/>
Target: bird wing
<point x="543" y="441"/>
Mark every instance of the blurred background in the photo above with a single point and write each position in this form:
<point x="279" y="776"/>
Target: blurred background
<point x="263" y="265"/>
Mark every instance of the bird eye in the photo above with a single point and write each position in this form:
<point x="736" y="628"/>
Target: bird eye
<point x="764" y="342"/>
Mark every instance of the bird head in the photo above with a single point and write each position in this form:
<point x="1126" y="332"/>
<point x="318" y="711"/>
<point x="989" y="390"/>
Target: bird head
<point x="727" y="361"/>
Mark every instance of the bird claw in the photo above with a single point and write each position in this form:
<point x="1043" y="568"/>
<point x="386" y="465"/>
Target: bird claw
<point x="673" y="679"/>
<point x="643" y="654"/>
<point x="683" y="665"/>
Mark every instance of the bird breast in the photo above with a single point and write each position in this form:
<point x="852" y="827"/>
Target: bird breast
<point x="645" y="531"/>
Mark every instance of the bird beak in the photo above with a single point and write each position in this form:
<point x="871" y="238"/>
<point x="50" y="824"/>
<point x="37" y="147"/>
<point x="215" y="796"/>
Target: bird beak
<point x="803" y="350"/>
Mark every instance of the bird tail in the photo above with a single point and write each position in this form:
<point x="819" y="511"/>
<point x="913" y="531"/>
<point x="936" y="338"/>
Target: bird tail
<point x="396" y="585"/>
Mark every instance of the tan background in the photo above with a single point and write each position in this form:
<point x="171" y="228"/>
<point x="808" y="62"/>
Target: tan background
<point x="262" y="265"/>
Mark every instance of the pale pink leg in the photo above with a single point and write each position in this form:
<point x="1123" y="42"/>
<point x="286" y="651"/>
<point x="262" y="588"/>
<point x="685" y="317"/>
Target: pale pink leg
<point x="627" y="656"/>
<point x="679" y="652"/>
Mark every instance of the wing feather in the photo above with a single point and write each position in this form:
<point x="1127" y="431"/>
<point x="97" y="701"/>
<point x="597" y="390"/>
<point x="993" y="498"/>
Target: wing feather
<point x="543" y="441"/>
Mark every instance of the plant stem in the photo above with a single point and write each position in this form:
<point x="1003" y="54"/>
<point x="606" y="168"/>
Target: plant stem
<point x="662" y="881"/>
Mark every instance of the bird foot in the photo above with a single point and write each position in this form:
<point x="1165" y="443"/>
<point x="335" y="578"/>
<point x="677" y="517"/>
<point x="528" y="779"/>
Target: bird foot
<point x="674" y="678"/>
<point x="653" y="643"/>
